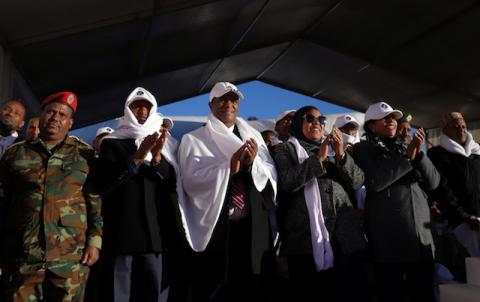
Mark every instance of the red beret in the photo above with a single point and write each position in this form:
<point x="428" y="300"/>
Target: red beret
<point x="66" y="97"/>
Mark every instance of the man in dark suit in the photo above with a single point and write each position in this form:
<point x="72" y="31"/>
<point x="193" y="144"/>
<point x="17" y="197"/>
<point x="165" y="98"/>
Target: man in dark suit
<point x="12" y="119"/>
<point x="228" y="176"/>
<point x="457" y="158"/>
<point x="138" y="184"/>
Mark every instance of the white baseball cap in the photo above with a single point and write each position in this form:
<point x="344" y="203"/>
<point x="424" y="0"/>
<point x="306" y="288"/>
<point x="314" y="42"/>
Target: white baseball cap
<point x="345" y="119"/>
<point x="380" y="110"/>
<point x="222" y="88"/>
<point x="103" y="130"/>
<point x="141" y="93"/>
<point x="282" y="115"/>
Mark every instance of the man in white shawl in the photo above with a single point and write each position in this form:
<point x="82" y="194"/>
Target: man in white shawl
<point x="230" y="181"/>
<point x="457" y="158"/>
<point x="137" y="181"/>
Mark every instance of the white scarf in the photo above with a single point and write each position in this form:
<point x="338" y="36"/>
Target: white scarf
<point x="204" y="157"/>
<point x="349" y="139"/>
<point x="128" y="126"/>
<point x="322" y="250"/>
<point x="471" y="147"/>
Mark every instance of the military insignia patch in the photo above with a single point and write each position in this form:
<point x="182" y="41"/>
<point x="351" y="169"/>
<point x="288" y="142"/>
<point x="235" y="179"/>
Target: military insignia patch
<point x="71" y="99"/>
<point x="140" y="92"/>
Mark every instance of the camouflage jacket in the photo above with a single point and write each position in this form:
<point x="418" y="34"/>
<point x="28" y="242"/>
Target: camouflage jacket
<point x="48" y="209"/>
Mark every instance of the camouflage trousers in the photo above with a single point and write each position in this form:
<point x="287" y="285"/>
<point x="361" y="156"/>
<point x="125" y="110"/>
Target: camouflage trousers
<point x="47" y="285"/>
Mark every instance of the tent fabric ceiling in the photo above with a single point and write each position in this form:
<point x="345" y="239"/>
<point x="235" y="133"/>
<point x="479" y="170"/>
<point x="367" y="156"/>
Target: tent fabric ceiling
<point x="420" y="55"/>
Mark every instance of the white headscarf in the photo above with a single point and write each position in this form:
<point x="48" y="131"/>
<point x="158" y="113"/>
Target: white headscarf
<point x="204" y="157"/>
<point x="129" y="127"/>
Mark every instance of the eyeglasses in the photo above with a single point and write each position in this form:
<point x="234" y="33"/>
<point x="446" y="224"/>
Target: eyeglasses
<point x="310" y="118"/>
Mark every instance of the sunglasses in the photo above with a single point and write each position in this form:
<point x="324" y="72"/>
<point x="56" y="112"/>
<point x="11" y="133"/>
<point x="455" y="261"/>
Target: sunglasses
<point x="310" y="118"/>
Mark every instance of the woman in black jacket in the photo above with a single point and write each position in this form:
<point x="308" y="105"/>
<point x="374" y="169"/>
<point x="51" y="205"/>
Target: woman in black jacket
<point x="397" y="215"/>
<point x="317" y="222"/>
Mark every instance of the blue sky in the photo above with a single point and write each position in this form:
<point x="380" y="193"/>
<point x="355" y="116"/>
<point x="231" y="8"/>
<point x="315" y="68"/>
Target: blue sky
<point x="262" y="100"/>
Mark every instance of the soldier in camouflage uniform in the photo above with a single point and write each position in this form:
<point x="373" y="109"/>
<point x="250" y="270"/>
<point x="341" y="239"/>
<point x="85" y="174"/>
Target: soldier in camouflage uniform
<point x="50" y="223"/>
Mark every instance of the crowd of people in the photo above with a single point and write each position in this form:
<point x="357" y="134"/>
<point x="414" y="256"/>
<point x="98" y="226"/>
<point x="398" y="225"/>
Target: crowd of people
<point x="230" y="214"/>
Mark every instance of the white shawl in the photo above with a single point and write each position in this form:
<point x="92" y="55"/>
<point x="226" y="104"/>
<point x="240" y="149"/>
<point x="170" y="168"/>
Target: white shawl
<point x="204" y="157"/>
<point x="471" y="147"/>
<point x="322" y="250"/>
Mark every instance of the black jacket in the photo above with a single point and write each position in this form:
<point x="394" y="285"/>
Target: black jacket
<point x="334" y="180"/>
<point x="459" y="190"/>
<point x="137" y="205"/>
<point x="397" y="215"/>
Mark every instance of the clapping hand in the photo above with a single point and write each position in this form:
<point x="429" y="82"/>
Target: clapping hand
<point x="244" y="156"/>
<point x="145" y="147"/>
<point x="251" y="150"/>
<point x="415" y="147"/>
<point x="159" y="144"/>
<point x="323" y="151"/>
<point x="336" y="139"/>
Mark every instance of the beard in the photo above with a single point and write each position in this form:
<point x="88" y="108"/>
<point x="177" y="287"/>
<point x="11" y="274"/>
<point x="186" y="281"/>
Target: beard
<point x="7" y="125"/>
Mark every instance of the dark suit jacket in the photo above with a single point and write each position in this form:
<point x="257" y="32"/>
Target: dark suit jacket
<point x="459" y="190"/>
<point x="138" y="205"/>
<point x="334" y="181"/>
<point x="258" y="232"/>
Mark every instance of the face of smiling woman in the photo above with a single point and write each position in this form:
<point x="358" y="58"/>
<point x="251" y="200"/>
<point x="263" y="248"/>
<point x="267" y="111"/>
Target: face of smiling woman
<point x="313" y="130"/>
<point x="385" y="127"/>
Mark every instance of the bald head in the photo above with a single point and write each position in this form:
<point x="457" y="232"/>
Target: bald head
<point x="455" y="127"/>
<point x="12" y="117"/>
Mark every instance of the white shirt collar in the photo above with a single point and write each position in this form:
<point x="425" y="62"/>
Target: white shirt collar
<point x="13" y="136"/>
<point x="6" y="141"/>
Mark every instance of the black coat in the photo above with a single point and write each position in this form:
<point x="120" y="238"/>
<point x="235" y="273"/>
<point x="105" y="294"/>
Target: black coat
<point x="459" y="190"/>
<point x="137" y="205"/>
<point x="334" y="181"/>
<point x="258" y="233"/>
<point x="397" y="215"/>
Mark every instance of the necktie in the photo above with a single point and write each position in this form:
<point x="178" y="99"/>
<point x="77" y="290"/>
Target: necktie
<point x="238" y="193"/>
<point x="238" y="187"/>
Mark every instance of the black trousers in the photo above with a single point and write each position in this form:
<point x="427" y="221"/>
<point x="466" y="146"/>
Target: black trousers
<point x="223" y="272"/>
<point x="345" y="282"/>
<point x="306" y="284"/>
<point x="405" y="281"/>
